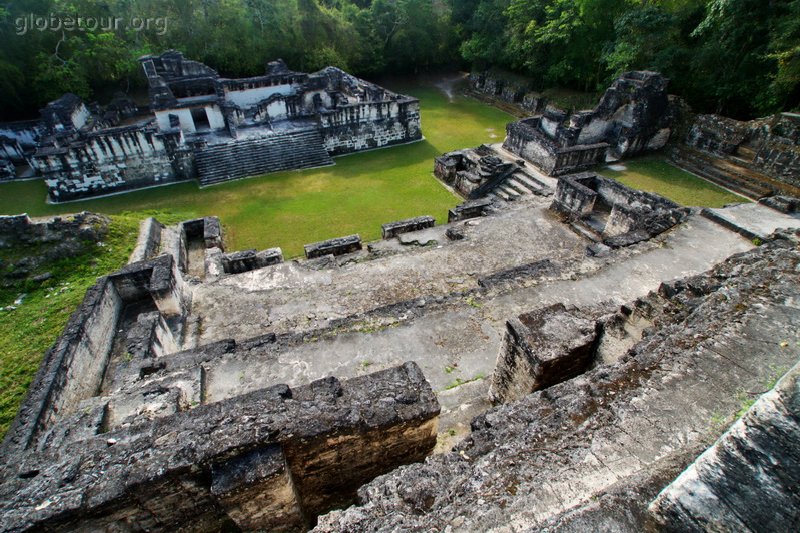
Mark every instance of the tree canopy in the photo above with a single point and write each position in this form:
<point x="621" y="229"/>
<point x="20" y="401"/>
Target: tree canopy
<point x="737" y="57"/>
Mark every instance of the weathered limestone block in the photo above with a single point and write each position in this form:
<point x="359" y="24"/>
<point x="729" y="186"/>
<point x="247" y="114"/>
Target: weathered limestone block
<point x="213" y="263"/>
<point x="212" y="233"/>
<point x="257" y="492"/>
<point x="149" y="240"/>
<point x="748" y="480"/>
<point x="470" y="209"/>
<point x="784" y="204"/>
<point x="338" y="246"/>
<point x="573" y="196"/>
<point x="247" y="260"/>
<point x="404" y="226"/>
<point x="541" y="349"/>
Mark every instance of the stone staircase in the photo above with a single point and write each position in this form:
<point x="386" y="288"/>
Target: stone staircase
<point x="517" y="185"/>
<point x="729" y="173"/>
<point x="250" y="157"/>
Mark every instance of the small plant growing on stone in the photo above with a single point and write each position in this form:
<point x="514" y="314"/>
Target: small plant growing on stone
<point x="449" y="369"/>
<point x="128" y="357"/>
<point x="451" y="432"/>
<point x="757" y="241"/>
<point x="472" y="302"/>
<point x="366" y="363"/>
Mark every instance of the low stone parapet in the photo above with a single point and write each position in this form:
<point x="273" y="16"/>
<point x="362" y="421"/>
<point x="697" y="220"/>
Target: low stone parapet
<point x="404" y="226"/>
<point x="467" y="210"/>
<point x="247" y="260"/>
<point x="338" y="246"/>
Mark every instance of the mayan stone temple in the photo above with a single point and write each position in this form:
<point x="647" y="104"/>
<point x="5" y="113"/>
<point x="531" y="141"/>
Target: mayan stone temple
<point x="555" y="350"/>
<point x="204" y="127"/>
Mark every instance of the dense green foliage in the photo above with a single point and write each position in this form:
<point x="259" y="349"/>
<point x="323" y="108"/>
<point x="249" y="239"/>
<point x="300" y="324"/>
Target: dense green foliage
<point x="737" y="57"/>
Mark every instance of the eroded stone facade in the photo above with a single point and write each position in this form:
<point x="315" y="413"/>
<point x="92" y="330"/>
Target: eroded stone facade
<point x="634" y="115"/>
<point x="203" y="126"/>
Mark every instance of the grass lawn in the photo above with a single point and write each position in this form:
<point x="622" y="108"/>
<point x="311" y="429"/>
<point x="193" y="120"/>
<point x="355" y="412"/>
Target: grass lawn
<point x="653" y="174"/>
<point x="289" y="209"/>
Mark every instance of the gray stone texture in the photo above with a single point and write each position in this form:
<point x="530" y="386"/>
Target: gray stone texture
<point x="540" y="349"/>
<point x="633" y="116"/>
<point x="393" y="229"/>
<point x="299" y="451"/>
<point x="337" y="246"/>
<point x="591" y="453"/>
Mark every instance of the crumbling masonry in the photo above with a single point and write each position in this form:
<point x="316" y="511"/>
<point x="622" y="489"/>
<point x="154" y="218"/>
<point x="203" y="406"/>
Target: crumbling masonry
<point x="205" y="127"/>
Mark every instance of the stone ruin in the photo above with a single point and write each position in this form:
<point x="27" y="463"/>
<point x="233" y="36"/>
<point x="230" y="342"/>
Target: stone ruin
<point x="508" y="88"/>
<point x="479" y="172"/>
<point x="757" y="159"/>
<point x="633" y="116"/>
<point x="184" y="393"/>
<point x="612" y="214"/>
<point x="598" y="452"/>
<point x="557" y="362"/>
<point x="205" y="127"/>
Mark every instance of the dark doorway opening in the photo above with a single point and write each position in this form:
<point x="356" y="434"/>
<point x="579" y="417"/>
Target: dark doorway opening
<point x="200" y="119"/>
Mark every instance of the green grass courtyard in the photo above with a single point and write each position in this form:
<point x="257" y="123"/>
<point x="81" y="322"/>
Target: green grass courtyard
<point x="288" y="209"/>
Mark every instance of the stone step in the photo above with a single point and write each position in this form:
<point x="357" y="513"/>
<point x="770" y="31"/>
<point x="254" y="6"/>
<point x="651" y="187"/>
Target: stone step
<point x="723" y="173"/>
<point x="517" y="186"/>
<point x="513" y="195"/>
<point x="718" y="179"/>
<point x="502" y="194"/>
<point x="249" y="157"/>
<point x="535" y="187"/>
<point x="729" y="167"/>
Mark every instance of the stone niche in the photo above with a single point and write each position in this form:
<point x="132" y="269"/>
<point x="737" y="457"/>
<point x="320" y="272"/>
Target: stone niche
<point x="540" y="349"/>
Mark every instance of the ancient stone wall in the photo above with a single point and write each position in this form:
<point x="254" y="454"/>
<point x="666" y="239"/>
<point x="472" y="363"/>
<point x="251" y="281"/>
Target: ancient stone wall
<point x="114" y="160"/>
<point x="364" y="126"/>
<point x="287" y="455"/>
<point x="507" y="88"/>
<point x="20" y="230"/>
<point x="633" y="116"/>
<point x="74" y="368"/>
<point x="770" y="146"/>
<point x="591" y="453"/>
